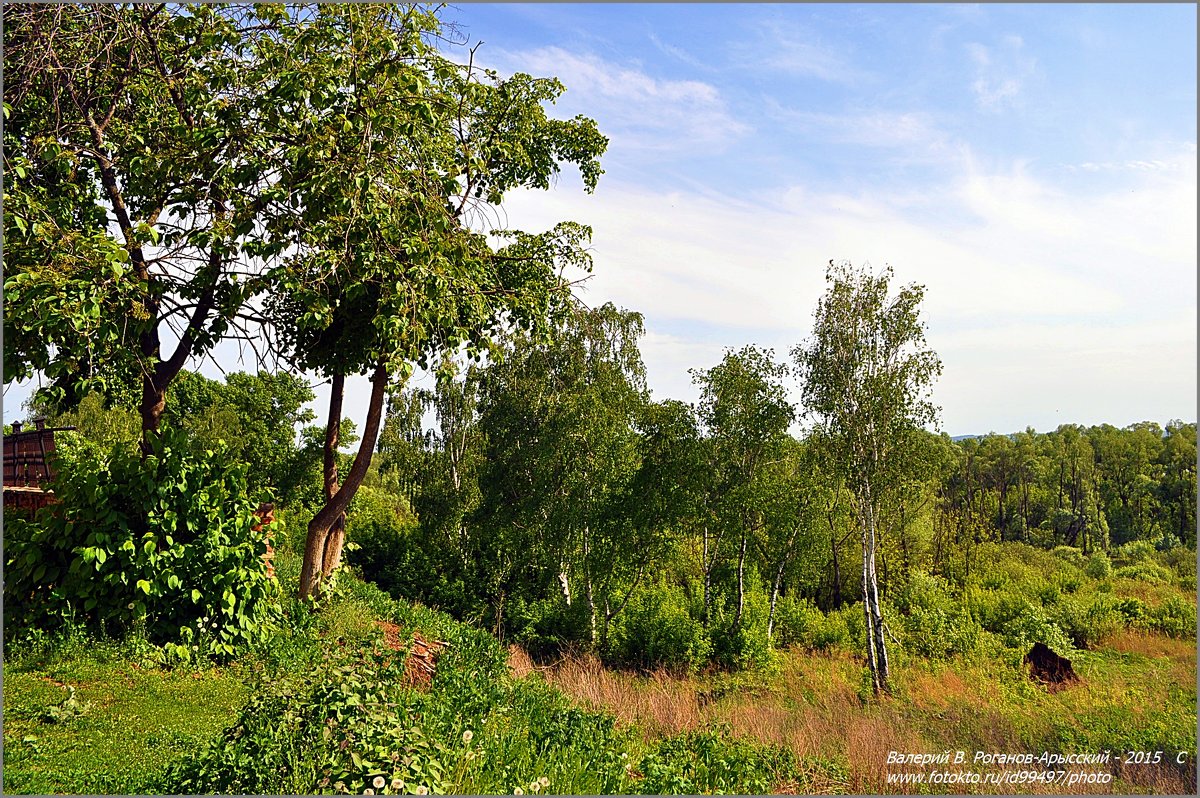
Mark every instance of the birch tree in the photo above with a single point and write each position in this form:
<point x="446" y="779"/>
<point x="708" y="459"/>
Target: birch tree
<point x="867" y="375"/>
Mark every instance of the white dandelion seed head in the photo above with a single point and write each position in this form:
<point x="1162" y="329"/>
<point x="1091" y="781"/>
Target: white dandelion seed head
<point x="518" y="791"/>
<point x="368" y="791"/>
<point x="544" y="781"/>
<point x="421" y="790"/>
<point x="379" y="781"/>
<point x="468" y="735"/>
<point x="397" y="785"/>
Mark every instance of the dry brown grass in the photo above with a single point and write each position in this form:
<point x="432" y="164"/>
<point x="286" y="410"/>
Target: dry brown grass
<point x="1149" y="644"/>
<point x="658" y="703"/>
<point x="812" y="707"/>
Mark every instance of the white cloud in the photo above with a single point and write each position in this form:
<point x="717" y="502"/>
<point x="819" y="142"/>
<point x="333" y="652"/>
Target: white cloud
<point x="911" y="130"/>
<point x="1000" y="72"/>
<point x="1030" y="289"/>
<point x="781" y="46"/>
<point x="637" y="110"/>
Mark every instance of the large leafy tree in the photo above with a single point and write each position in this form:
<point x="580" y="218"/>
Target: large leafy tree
<point x="746" y="413"/>
<point x="388" y="271"/>
<point x="558" y="418"/>
<point x="867" y="376"/>
<point x="144" y="175"/>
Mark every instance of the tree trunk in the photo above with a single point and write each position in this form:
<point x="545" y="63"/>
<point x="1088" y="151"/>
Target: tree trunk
<point x="332" y="555"/>
<point x="877" y="659"/>
<point x="741" y="582"/>
<point x="707" y="581"/>
<point x="774" y="600"/>
<point x="319" y="528"/>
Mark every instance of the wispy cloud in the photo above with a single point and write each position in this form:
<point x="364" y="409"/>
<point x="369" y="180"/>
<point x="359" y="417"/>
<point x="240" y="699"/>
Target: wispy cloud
<point x="789" y="48"/>
<point x="883" y="129"/>
<point x="1000" y="72"/>
<point x="1028" y="284"/>
<point x="638" y="110"/>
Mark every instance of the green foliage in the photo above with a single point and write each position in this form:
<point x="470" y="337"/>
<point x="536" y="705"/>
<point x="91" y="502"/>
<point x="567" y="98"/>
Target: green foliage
<point x="657" y="629"/>
<point x="378" y="523"/>
<point x="1088" y="623"/>
<point x="797" y="622"/>
<point x="1175" y="617"/>
<point x="935" y="623"/>
<point x="254" y="416"/>
<point x="1069" y="554"/>
<point x="1098" y="566"/>
<point x="713" y="762"/>
<point x="107" y="427"/>
<point x="1145" y="571"/>
<point x="163" y="543"/>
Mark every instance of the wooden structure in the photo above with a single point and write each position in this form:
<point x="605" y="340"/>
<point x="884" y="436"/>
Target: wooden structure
<point x="28" y="465"/>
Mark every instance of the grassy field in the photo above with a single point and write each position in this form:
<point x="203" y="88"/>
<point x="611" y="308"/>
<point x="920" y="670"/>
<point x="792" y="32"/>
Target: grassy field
<point x="90" y="718"/>
<point x="1136" y="692"/>
<point x="82" y="716"/>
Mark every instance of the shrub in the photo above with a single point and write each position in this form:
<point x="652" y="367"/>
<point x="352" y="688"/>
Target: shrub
<point x="657" y="628"/>
<point x="745" y="645"/>
<point x="1146" y="571"/>
<point x="1134" y="551"/>
<point x="935" y="624"/>
<point x="377" y="523"/>
<point x="344" y="722"/>
<point x="797" y="622"/>
<point x="712" y="762"/>
<point x="1098" y="566"/>
<point x="1174" y="617"/>
<point x="1069" y="554"/>
<point x="165" y="543"/>
<point x="1088" y="624"/>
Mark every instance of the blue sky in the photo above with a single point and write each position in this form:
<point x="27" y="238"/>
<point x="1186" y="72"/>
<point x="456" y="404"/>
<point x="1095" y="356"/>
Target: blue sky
<point x="1034" y="166"/>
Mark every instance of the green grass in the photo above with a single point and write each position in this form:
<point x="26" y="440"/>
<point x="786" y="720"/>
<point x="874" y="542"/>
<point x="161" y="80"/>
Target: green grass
<point x="126" y="724"/>
<point x="88" y="716"/>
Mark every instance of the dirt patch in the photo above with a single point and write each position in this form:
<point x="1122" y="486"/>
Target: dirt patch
<point x="420" y="664"/>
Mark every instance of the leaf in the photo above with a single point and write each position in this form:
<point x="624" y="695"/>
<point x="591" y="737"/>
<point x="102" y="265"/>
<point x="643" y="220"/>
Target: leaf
<point x="144" y="586"/>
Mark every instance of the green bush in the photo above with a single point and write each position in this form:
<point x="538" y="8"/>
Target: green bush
<point x="1134" y="551"/>
<point x="1098" y="566"/>
<point x="745" y="645"/>
<point x="1087" y="624"/>
<point x="712" y="762"/>
<point x="1174" y="617"/>
<point x="935" y="622"/>
<point x="1146" y="571"/>
<point x="797" y="622"/>
<point x="656" y="628"/>
<point x="1069" y="554"/>
<point x="164" y="544"/>
<point x="342" y="726"/>
<point x="377" y="523"/>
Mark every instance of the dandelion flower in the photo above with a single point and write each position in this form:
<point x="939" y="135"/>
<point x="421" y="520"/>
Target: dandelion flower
<point x="468" y="735"/>
<point x="379" y="781"/>
<point x="535" y="786"/>
<point x="545" y="782"/>
<point x="421" y="790"/>
<point x="518" y="791"/>
<point x="368" y="791"/>
<point x="397" y="785"/>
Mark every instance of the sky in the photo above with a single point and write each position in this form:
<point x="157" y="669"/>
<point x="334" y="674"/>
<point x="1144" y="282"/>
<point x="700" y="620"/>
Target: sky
<point x="1033" y="166"/>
